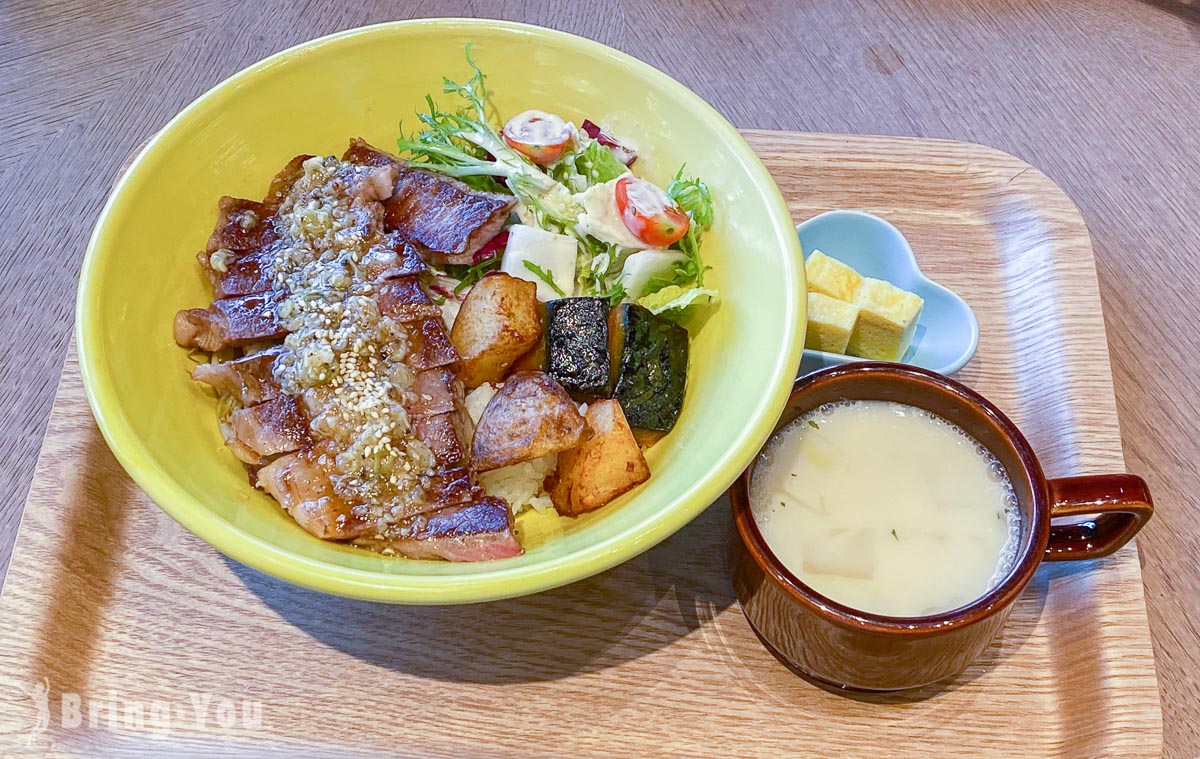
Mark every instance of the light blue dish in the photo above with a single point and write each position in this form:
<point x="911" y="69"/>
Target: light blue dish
<point x="947" y="333"/>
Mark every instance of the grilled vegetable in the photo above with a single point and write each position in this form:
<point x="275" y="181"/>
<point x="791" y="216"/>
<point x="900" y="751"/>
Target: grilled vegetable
<point x="577" y="346"/>
<point x="498" y="323"/>
<point x="650" y="360"/>
<point x="529" y="418"/>
<point x="604" y="466"/>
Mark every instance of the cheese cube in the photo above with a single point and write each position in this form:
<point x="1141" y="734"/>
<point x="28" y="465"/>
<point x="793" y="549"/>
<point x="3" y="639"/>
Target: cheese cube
<point x="830" y="323"/>
<point x="554" y="254"/>
<point x="887" y="320"/>
<point x="831" y="277"/>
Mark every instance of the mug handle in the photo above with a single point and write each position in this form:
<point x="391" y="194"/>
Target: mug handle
<point x="1122" y="502"/>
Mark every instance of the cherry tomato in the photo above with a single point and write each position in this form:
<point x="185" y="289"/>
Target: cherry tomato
<point x="539" y="136"/>
<point x="648" y="213"/>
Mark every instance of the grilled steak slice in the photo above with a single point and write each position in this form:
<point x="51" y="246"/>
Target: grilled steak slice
<point x="363" y="153"/>
<point x="394" y="258"/>
<point x="434" y="391"/>
<point x="242" y="225"/>
<point x="405" y="301"/>
<point x="451" y="487"/>
<point x="440" y="420"/>
<point x="304" y="489"/>
<point x="282" y="182"/>
<point x="230" y="322"/>
<point x="443" y="216"/>
<point x="238" y="273"/>
<point x="249" y="379"/>
<point x="430" y="345"/>
<point x="277" y="426"/>
<point x="439" y="214"/>
<point x="478" y="531"/>
<point x="371" y="184"/>
<point x="446" y="436"/>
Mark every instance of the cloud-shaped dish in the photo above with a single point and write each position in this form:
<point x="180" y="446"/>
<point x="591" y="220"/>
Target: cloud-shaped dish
<point x="947" y="331"/>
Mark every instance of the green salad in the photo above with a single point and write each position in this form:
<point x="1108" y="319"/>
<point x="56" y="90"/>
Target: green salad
<point x="584" y="223"/>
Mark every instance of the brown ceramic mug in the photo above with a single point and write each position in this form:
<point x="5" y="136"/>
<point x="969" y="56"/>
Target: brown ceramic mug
<point x="846" y="648"/>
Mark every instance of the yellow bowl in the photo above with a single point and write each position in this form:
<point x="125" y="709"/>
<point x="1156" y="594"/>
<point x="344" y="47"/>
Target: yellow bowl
<point x="140" y="268"/>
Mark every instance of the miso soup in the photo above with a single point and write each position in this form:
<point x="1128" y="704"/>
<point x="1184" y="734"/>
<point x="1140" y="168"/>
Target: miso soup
<point x="886" y="508"/>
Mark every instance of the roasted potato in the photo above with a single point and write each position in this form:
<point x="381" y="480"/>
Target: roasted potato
<point x="499" y="322"/>
<point x="534" y="359"/>
<point x="604" y="466"/>
<point x="532" y="416"/>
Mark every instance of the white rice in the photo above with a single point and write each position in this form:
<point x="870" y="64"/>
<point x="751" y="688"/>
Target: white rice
<point x="477" y="401"/>
<point x="521" y="485"/>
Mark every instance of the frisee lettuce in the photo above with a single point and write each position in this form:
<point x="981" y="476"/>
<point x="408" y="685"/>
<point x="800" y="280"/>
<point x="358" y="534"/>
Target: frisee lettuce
<point x="469" y="275"/>
<point x="693" y="196"/>
<point x="615" y="294"/>
<point x="464" y="144"/>
<point x="592" y="265"/>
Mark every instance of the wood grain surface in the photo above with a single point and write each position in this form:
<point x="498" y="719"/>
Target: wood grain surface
<point x="1100" y="95"/>
<point x="107" y="598"/>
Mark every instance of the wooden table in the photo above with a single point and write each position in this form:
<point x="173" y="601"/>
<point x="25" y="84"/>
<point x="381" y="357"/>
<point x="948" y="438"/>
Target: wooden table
<point x="1101" y="96"/>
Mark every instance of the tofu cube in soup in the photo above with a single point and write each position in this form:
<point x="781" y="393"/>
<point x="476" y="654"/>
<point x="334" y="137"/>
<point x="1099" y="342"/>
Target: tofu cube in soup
<point x="848" y="552"/>
<point x="603" y="467"/>
<point x="499" y="322"/>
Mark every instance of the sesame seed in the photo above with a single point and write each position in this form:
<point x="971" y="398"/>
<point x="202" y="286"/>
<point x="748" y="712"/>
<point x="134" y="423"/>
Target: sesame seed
<point x="338" y="341"/>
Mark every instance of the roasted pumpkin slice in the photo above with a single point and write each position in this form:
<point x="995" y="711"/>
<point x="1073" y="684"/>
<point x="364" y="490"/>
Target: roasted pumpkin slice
<point x="650" y="360"/>
<point x="577" y="346"/>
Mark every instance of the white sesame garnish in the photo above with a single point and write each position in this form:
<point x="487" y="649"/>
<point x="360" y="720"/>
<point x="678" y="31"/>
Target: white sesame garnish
<point x="339" y="346"/>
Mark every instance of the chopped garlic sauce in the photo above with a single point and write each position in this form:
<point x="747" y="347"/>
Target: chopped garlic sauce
<point x="341" y="356"/>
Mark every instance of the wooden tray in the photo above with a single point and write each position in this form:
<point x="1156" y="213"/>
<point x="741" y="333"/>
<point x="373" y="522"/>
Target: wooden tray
<point x="108" y="599"/>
